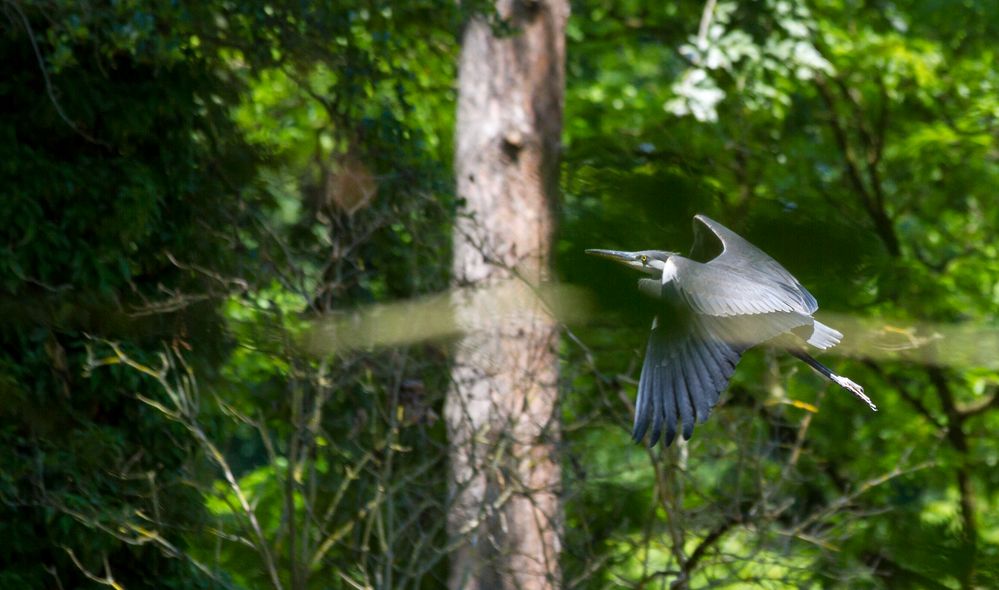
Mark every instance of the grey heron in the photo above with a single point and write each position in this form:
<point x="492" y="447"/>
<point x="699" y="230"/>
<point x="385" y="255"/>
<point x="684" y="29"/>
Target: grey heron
<point x="708" y="314"/>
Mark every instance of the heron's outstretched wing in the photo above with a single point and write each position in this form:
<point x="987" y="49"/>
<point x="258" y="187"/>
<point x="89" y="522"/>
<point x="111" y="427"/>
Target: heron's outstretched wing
<point x="685" y="370"/>
<point x="754" y="264"/>
<point x="730" y="314"/>
<point x="717" y="289"/>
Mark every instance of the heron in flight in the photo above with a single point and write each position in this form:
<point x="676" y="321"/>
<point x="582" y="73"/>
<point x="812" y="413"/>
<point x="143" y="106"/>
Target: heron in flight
<point x="709" y="314"/>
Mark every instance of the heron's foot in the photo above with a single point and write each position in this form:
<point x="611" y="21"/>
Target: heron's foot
<point x="855" y="389"/>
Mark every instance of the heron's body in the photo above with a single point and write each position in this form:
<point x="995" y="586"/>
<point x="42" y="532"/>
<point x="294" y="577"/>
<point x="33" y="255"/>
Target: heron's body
<point x="709" y="314"/>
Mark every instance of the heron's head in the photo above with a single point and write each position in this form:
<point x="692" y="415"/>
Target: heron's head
<point x="648" y="261"/>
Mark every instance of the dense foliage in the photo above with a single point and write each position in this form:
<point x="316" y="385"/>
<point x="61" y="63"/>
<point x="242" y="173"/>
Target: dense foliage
<point x="184" y="182"/>
<point x="857" y="143"/>
<point x="188" y="186"/>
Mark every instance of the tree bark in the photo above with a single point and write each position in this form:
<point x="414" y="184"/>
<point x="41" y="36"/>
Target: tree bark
<point x="504" y="519"/>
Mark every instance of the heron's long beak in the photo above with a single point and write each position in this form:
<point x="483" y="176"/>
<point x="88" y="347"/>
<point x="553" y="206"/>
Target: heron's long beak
<point x="615" y="255"/>
<point x="645" y="261"/>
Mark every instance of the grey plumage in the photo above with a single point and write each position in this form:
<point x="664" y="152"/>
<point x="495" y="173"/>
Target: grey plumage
<point x="709" y="314"/>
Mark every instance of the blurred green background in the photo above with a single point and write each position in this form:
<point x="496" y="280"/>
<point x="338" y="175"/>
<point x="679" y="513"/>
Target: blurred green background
<point x="187" y="185"/>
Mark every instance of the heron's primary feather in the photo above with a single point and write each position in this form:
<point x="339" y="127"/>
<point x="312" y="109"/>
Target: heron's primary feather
<point x="684" y="373"/>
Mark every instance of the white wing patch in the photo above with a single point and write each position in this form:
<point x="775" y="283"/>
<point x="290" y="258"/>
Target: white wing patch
<point x="669" y="270"/>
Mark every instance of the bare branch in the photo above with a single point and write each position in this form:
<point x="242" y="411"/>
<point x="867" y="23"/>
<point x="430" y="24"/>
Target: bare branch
<point x="49" y="88"/>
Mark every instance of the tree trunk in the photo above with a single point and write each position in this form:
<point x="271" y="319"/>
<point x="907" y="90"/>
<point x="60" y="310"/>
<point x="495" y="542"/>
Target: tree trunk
<point x="501" y="412"/>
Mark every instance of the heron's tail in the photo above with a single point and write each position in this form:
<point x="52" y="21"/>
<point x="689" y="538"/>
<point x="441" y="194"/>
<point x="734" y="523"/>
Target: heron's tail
<point x="823" y="336"/>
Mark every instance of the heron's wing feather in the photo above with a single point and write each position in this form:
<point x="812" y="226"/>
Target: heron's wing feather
<point x="686" y="368"/>
<point x="737" y="253"/>
<point x="717" y="289"/>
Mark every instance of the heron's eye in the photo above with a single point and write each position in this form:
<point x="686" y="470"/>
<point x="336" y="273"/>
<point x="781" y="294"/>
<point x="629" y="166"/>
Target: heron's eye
<point x="645" y="259"/>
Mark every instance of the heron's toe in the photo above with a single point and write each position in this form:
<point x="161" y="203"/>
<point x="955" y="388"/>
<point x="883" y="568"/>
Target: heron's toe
<point x="855" y="389"/>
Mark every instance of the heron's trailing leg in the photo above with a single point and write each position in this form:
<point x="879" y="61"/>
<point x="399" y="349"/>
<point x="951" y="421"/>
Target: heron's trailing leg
<point x="843" y="382"/>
